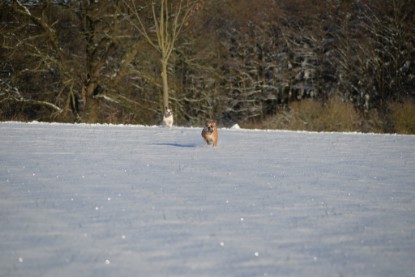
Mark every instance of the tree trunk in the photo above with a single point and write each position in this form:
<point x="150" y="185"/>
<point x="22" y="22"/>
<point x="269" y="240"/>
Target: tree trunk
<point x="165" y="84"/>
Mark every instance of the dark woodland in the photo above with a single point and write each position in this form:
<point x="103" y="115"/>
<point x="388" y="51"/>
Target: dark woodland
<point x="322" y="65"/>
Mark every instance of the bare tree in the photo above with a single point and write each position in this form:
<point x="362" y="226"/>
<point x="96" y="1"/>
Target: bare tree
<point x="48" y="43"/>
<point x="41" y="60"/>
<point x="376" y="51"/>
<point x="66" y="58"/>
<point x="162" y="35"/>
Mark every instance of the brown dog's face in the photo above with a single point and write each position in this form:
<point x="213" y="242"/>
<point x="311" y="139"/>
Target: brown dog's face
<point x="210" y="126"/>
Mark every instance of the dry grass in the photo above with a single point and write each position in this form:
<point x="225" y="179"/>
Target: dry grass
<point x="339" y="116"/>
<point x="403" y="116"/>
<point x="311" y="115"/>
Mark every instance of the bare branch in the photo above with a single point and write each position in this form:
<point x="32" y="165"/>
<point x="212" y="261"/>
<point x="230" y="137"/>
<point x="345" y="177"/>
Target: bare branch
<point x="12" y="94"/>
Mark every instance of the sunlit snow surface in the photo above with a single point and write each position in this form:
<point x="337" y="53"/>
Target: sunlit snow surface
<point x="95" y="200"/>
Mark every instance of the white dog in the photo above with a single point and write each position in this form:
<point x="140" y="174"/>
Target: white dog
<point x="168" y="118"/>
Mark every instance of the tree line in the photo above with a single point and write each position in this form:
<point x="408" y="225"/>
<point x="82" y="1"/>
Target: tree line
<point x="232" y="60"/>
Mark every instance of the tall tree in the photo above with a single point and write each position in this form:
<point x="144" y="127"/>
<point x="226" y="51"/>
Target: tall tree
<point x="167" y="23"/>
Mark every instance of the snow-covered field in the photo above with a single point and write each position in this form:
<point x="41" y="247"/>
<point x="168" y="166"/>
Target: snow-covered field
<point x="94" y="200"/>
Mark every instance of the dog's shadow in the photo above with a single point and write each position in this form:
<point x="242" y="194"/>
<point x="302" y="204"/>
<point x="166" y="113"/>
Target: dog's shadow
<point x="181" y="145"/>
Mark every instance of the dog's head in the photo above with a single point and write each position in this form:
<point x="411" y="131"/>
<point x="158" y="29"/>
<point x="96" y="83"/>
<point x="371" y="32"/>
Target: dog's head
<point x="210" y="126"/>
<point x="168" y="112"/>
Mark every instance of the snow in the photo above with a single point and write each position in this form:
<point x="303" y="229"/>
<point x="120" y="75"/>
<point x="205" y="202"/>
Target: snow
<point x="103" y="200"/>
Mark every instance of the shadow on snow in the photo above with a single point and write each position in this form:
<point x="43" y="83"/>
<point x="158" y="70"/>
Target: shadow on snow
<point x="183" y="145"/>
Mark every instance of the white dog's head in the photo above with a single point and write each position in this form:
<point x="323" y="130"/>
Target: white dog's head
<point x="168" y="113"/>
